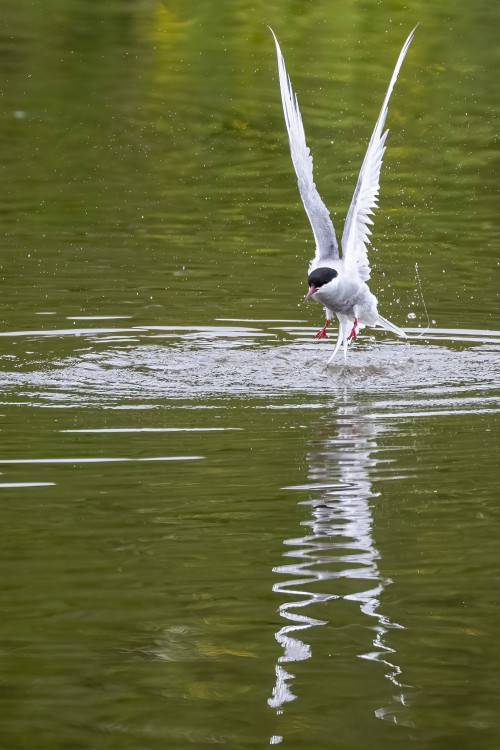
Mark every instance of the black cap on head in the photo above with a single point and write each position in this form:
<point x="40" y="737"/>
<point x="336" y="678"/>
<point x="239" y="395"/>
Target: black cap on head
<point x="321" y="276"/>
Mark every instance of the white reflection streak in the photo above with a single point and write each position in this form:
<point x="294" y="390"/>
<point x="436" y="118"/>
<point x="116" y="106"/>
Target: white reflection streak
<point x="341" y="538"/>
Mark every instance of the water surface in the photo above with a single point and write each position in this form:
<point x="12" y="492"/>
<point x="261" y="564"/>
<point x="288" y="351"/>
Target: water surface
<point x="208" y="537"/>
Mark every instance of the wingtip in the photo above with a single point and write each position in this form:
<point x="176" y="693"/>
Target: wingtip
<point x="278" y="49"/>
<point x="411" y="35"/>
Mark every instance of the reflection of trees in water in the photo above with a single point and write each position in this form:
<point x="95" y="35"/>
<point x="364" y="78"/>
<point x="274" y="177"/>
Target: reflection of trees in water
<point x="338" y="544"/>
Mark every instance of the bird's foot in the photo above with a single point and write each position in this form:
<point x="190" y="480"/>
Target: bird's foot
<point x="322" y="334"/>
<point x="354" y="331"/>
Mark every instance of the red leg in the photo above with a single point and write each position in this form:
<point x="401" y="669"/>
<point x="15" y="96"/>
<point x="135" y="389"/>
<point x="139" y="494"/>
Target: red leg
<point x="322" y="334"/>
<point x="354" y="332"/>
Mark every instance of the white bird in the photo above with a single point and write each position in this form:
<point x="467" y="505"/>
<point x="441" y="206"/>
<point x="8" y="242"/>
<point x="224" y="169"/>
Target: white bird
<point x="339" y="284"/>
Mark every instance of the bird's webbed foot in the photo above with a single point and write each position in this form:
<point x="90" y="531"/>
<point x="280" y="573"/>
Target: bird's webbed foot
<point x="354" y="332"/>
<point x="322" y="334"/>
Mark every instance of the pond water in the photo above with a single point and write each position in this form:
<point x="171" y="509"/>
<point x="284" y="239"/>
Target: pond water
<point x="208" y="537"/>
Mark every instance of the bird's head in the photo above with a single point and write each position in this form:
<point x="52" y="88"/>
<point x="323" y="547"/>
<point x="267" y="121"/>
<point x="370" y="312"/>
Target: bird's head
<point x="319" y="278"/>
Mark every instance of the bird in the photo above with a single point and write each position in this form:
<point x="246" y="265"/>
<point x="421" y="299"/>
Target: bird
<point x="339" y="283"/>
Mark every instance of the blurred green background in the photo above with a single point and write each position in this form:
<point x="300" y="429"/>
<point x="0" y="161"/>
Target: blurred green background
<point x="145" y="166"/>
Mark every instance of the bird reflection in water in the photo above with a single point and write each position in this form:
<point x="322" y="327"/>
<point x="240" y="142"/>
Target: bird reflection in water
<point x="337" y="547"/>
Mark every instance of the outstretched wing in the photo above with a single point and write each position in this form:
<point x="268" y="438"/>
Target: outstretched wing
<point x="356" y="231"/>
<point x="319" y="216"/>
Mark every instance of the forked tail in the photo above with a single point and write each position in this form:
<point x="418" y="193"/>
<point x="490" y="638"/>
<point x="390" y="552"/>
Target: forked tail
<point x="391" y="327"/>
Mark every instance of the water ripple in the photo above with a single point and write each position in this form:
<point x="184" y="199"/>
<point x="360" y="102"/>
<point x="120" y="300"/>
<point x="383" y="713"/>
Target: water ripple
<point x="214" y="361"/>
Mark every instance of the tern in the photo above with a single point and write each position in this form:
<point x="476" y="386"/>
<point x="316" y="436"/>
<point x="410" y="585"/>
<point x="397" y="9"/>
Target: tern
<point x="339" y="283"/>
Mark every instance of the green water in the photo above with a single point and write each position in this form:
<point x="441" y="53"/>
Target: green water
<point x="207" y="538"/>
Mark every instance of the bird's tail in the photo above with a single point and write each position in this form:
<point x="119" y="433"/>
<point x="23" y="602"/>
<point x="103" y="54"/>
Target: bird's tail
<point x="391" y="327"/>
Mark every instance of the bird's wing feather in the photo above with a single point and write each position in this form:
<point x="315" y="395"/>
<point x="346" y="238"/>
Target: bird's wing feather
<point x="318" y="214"/>
<point x="355" y="237"/>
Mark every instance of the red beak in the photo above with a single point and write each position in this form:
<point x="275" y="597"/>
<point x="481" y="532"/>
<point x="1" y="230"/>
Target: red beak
<point x="312" y="290"/>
